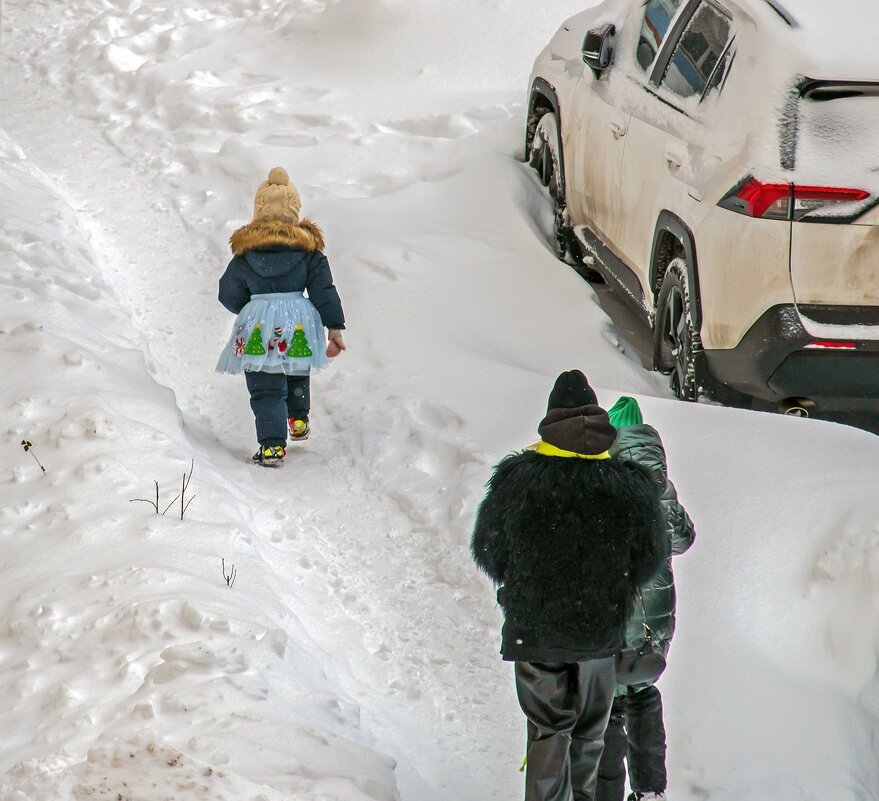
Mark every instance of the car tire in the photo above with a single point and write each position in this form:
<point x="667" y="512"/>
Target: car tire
<point x="545" y="159"/>
<point x="677" y="347"/>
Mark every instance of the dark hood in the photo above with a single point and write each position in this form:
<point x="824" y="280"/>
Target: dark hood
<point x="642" y="444"/>
<point x="273" y="263"/>
<point x="586" y="429"/>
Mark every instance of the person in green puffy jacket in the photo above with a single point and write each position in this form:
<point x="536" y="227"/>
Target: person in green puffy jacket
<point x="635" y="732"/>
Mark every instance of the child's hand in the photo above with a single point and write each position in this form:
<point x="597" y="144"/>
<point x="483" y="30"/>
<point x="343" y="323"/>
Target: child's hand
<point x="336" y="344"/>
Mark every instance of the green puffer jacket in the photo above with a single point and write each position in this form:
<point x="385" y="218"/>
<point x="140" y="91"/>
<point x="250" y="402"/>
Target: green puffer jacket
<point x="642" y="444"/>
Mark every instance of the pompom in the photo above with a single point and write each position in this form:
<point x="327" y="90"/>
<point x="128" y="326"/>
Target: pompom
<point x="276" y="198"/>
<point x="278" y="175"/>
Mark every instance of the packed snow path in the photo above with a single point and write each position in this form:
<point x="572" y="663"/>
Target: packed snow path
<point x="357" y="634"/>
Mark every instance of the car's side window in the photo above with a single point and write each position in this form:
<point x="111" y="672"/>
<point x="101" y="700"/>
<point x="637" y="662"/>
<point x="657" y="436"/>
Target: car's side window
<point x="720" y="71"/>
<point x="658" y="15"/>
<point x="697" y="52"/>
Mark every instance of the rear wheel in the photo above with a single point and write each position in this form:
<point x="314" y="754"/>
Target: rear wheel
<point x="544" y="158"/>
<point x="677" y="347"/>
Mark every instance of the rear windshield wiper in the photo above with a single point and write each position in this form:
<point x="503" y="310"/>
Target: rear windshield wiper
<point x="823" y="90"/>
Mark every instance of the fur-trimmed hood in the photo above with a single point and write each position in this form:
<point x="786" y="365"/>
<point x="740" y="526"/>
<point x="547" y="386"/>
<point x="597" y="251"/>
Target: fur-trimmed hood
<point x="274" y="233"/>
<point x="277" y="257"/>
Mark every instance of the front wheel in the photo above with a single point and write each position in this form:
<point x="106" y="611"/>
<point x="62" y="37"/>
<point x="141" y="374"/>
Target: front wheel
<point x="677" y="347"/>
<point x="544" y="158"/>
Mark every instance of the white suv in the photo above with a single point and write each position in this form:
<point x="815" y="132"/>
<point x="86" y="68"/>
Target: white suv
<point x="717" y="163"/>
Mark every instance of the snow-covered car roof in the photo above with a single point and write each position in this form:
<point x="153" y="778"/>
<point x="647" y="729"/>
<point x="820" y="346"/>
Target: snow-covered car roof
<point x="818" y="38"/>
<point x="824" y="39"/>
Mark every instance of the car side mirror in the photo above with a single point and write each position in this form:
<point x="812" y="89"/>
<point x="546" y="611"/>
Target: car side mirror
<point x="598" y="48"/>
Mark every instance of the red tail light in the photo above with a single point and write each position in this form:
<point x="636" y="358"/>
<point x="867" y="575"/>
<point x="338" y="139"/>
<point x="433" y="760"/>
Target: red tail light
<point x="832" y="344"/>
<point x="773" y="201"/>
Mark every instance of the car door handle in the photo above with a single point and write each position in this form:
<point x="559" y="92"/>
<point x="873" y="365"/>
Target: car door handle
<point x="617" y="129"/>
<point x="674" y="158"/>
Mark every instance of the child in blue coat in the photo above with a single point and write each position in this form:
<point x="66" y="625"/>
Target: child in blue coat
<point x="280" y="287"/>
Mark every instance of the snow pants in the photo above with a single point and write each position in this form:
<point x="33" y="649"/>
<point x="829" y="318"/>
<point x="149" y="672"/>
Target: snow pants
<point x="635" y="734"/>
<point x="274" y="397"/>
<point x="567" y="706"/>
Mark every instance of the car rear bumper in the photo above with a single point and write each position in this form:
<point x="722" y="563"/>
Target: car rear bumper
<point x="773" y="363"/>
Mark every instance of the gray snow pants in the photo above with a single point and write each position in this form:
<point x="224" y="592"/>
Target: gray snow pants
<point x="567" y="706"/>
<point x="635" y="734"/>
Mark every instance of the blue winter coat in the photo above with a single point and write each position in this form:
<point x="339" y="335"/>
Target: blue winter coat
<point x="280" y="257"/>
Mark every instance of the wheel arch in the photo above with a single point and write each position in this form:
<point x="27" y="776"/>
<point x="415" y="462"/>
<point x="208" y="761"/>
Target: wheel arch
<point x="671" y="238"/>
<point x="544" y="98"/>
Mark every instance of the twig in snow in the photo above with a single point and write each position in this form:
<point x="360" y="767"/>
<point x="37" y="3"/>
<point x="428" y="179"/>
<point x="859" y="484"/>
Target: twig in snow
<point x="28" y="448"/>
<point x="233" y="574"/>
<point x="181" y="496"/>
<point x="184" y="504"/>
<point x="154" y="504"/>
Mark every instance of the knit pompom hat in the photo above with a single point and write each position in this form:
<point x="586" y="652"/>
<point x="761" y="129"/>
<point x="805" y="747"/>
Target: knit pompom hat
<point x="625" y="412"/>
<point x="574" y="421"/>
<point x="570" y="391"/>
<point x="277" y="199"/>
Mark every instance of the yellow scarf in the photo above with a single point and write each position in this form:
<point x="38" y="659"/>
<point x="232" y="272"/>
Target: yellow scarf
<point x="546" y="449"/>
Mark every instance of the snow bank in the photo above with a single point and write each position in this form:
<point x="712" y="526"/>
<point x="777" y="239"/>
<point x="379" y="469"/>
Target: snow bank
<point x="120" y="642"/>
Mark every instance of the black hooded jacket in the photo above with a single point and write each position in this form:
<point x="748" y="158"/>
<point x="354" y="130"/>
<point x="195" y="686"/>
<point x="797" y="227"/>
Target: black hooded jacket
<point x="569" y="541"/>
<point x="279" y="257"/>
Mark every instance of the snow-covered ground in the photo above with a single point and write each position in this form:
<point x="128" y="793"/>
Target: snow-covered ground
<point x="355" y="656"/>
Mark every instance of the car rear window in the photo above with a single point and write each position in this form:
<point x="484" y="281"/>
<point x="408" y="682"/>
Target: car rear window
<point x="837" y="143"/>
<point x="698" y="51"/>
<point x="657" y="19"/>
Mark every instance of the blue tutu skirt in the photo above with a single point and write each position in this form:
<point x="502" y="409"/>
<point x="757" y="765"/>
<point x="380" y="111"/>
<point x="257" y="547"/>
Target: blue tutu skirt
<point x="276" y="333"/>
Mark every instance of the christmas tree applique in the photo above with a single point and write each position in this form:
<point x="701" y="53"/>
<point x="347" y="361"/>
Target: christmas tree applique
<point x="298" y="348"/>
<point x="254" y="346"/>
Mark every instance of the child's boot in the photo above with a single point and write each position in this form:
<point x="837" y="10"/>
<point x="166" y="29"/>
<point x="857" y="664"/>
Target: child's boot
<point x="270" y="455"/>
<point x="299" y="429"/>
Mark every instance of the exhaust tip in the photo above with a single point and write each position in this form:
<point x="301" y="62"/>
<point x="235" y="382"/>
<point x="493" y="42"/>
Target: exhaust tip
<point x="797" y="407"/>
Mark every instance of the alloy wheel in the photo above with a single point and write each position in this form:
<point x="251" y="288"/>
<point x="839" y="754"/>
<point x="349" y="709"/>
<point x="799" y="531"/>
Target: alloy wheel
<point x="676" y="341"/>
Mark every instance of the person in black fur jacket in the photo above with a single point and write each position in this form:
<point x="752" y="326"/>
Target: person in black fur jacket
<point x="568" y="535"/>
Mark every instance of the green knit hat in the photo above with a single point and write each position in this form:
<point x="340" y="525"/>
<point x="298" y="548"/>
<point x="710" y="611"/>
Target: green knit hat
<point x="625" y="412"/>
